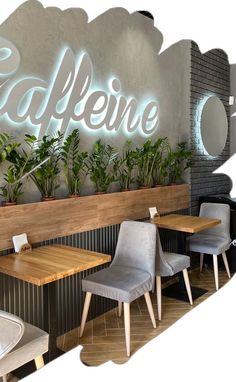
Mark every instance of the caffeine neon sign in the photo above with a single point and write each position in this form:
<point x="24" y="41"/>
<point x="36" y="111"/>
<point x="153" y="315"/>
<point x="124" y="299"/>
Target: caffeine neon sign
<point x="71" y="97"/>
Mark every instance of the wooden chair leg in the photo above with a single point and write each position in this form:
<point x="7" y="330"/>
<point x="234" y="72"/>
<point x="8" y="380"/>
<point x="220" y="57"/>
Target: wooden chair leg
<point x="201" y="261"/>
<point x="127" y="326"/>
<point x="187" y="284"/>
<point x="158" y="284"/>
<point x="85" y="312"/>
<point x="39" y="362"/>
<point x="150" y="309"/>
<point x="226" y="264"/>
<point x="215" y="266"/>
<point x="119" y="308"/>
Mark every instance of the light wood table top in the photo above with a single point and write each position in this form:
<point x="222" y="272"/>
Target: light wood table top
<point x="185" y="223"/>
<point x="49" y="263"/>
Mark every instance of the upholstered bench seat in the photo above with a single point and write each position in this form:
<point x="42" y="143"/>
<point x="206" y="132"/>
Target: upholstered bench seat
<point x="20" y="343"/>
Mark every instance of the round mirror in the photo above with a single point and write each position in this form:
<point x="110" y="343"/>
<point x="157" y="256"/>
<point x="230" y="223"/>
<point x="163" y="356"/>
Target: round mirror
<point x="214" y="126"/>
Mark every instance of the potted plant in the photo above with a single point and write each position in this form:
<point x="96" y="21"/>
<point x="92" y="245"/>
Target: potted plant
<point x="12" y="188"/>
<point x="6" y="146"/>
<point x="46" y="177"/>
<point x="159" y="170"/>
<point x="145" y="162"/>
<point x="163" y="178"/>
<point x="178" y="161"/>
<point x="74" y="163"/>
<point x="124" y="165"/>
<point x="99" y="164"/>
<point x="16" y="173"/>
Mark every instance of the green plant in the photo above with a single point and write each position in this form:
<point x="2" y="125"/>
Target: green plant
<point x="98" y="165"/>
<point x="6" y="146"/>
<point x="21" y="160"/>
<point x="12" y="188"/>
<point x="178" y="161"/>
<point x="145" y="157"/>
<point x="124" y="165"/>
<point x="46" y="177"/>
<point x="159" y="169"/>
<point x="163" y="178"/>
<point x="74" y="162"/>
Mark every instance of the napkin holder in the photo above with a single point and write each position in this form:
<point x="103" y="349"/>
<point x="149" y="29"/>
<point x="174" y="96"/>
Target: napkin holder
<point x="25" y="248"/>
<point x="21" y="244"/>
<point x="153" y="213"/>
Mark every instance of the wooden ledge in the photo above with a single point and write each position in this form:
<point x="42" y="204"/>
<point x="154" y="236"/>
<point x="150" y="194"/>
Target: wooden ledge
<point x="62" y="217"/>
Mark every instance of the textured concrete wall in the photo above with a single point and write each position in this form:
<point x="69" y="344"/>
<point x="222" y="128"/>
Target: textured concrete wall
<point x="119" y="44"/>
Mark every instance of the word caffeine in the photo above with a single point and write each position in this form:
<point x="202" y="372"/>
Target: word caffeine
<point x="71" y="97"/>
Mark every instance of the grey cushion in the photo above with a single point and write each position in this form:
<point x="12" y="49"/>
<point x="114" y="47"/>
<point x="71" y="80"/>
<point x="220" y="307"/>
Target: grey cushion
<point x="136" y="246"/>
<point x="217" y="211"/>
<point x="119" y="283"/>
<point x="132" y="271"/>
<point x="176" y="263"/>
<point x="11" y="331"/>
<point x="33" y="343"/>
<point x="217" y="239"/>
<point x="168" y="263"/>
<point x="209" y="244"/>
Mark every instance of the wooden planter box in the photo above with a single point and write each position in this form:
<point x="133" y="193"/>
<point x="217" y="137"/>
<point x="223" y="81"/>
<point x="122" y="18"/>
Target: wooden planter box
<point x="47" y="220"/>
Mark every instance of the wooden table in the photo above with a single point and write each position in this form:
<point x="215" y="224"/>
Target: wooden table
<point x="184" y="224"/>
<point x="43" y="266"/>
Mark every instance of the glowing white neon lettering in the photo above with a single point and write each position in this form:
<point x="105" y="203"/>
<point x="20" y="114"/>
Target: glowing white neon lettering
<point x="9" y="58"/>
<point x="70" y="96"/>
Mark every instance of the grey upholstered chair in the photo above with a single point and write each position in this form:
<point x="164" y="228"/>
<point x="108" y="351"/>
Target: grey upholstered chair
<point x="168" y="264"/>
<point x="216" y="240"/>
<point x="19" y="343"/>
<point x="130" y="275"/>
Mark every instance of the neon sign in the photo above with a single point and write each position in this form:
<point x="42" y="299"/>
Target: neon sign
<point x="71" y="96"/>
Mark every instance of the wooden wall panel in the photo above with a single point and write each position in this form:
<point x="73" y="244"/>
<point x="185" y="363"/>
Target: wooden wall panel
<point x="47" y="220"/>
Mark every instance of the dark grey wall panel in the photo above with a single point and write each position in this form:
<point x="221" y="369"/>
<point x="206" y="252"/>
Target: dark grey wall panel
<point x="210" y="75"/>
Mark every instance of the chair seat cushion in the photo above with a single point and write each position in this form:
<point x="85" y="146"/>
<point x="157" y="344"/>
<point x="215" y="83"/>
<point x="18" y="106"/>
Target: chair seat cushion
<point x="11" y="331"/>
<point x="33" y="343"/>
<point x="210" y="244"/>
<point x="176" y="263"/>
<point x="118" y="283"/>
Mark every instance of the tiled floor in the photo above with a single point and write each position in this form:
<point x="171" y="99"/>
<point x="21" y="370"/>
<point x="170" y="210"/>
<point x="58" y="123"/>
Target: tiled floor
<point x="103" y="337"/>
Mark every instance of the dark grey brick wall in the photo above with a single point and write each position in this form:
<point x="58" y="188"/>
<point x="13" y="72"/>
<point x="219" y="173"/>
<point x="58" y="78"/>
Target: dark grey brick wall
<point x="210" y="75"/>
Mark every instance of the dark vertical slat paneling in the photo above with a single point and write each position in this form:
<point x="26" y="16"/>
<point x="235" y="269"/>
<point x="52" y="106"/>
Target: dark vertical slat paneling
<point x="26" y="300"/>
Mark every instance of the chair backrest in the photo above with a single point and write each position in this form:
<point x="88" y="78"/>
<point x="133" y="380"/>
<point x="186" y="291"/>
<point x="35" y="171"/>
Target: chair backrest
<point x="136" y="246"/>
<point x="218" y="211"/>
<point x="162" y="266"/>
<point x="11" y="331"/>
